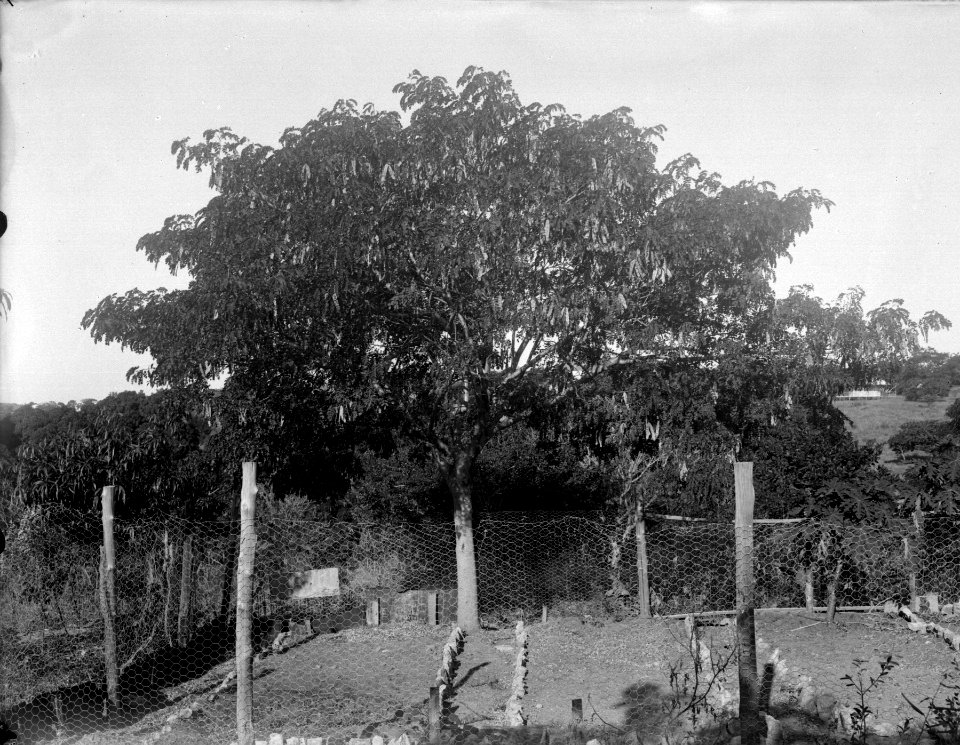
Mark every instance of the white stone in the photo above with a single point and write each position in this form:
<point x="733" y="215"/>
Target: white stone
<point x="774" y="731"/>
<point x="884" y="729"/>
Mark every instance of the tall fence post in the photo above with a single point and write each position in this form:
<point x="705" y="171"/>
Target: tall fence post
<point x="750" y="724"/>
<point x="108" y="595"/>
<point x="245" y="561"/>
<point x="643" y="579"/>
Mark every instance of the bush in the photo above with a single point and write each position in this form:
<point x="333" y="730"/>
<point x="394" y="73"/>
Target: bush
<point x="927" y="389"/>
<point x="924" y="435"/>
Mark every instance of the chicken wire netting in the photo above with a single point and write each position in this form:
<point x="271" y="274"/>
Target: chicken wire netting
<point x="354" y="626"/>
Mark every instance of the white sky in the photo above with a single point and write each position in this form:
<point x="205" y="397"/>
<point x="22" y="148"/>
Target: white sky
<point x="861" y="101"/>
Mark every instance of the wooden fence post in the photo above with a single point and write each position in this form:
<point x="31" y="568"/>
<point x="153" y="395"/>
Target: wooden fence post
<point x="913" y="557"/>
<point x="108" y="595"/>
<point x="750" y="723"/>
<point x="186" y="592"/>
<point x="169" y="553"/>
<point x="643" y="579"/>
<point x="245" y="562"/>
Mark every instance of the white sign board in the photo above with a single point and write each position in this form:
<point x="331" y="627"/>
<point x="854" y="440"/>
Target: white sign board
<point x="315" y="583"/>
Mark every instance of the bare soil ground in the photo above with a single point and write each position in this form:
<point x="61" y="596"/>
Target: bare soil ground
<point x="376" y="680"/>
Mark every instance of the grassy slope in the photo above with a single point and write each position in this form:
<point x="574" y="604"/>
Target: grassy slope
<point x="879" y="419"/>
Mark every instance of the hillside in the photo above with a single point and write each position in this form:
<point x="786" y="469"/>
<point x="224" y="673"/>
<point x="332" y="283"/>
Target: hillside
<point x="879" y="419"/>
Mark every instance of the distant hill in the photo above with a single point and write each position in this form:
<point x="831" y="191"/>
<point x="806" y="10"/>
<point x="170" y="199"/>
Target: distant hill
<point x="8" y="408"/>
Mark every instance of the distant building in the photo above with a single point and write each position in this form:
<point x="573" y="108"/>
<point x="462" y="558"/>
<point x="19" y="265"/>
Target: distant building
<point x="874" y="391"/>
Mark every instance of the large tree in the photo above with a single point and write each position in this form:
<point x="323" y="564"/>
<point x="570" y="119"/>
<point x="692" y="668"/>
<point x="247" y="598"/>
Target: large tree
<point x="459" y="269"/>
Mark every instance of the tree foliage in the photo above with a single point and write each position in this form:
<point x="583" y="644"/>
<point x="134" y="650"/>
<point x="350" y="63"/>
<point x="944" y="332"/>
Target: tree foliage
<point x="151" y="447"/>
<point x="485" y="259"/>
<point x="850" y="347"/>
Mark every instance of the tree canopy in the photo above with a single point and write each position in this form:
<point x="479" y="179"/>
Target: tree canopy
<point x="459" y="270"/>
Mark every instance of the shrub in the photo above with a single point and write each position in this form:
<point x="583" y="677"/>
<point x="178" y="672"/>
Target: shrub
<point x="927" y="389"/>
<point x="923" y="435"/>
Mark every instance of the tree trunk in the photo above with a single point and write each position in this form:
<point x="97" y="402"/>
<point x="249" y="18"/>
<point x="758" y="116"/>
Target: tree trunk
<point x="459" y="481"/>
<point x="186" y="592"/>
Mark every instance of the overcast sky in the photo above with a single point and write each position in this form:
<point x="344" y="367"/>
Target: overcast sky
<point x="861" y="101"/>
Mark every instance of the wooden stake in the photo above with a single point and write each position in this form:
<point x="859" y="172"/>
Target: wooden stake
<point x="108" y="596"/>
<point x="373" y="612"/>
<point x="576" y="710"/>
<point x="432" y="608"/>
<point x="913" y="557"/>
<point x="186" y="592"/>
<point x="808" y="588"/>
<point x="245" y="562"/>
<point x="543" y="614"/>
<point x="168" y="556"/>
<point x="643" y="580"/>
<point x="750" y="722"/>
<point x="433" y="715"/>
<point x="832" y="593"/>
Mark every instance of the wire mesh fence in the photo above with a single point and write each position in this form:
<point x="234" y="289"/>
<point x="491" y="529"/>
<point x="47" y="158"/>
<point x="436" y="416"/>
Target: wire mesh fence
<point x="352" y="627"/>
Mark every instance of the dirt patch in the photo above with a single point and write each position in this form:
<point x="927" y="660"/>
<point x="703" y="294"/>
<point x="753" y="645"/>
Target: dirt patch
<point x="376" y="680"/>
<point x="826" y="653"/>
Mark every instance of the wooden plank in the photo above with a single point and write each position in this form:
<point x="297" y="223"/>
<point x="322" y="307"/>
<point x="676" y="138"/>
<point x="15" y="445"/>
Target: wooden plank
<point x="315" y="583"/>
